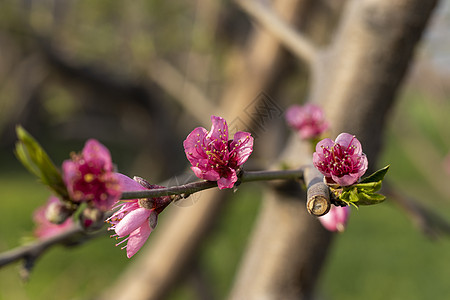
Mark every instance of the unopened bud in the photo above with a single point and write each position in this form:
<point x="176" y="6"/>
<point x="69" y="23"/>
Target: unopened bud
<point x="56" y="212"/>
<point x="92" y="218"/>
<point x="153" y="220"/>
<point x="336" y="219"/>
<point x="143" y="182"/>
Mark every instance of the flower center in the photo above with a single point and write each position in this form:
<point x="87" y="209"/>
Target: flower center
<point x="340" y="161"/>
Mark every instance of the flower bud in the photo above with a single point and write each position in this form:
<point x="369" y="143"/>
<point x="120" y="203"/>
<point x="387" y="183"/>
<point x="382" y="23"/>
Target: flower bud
<point x="336" y="219"/>
<point x="56" y="212"/>
<point x="153" y="219"/>
<point x="92" y="218"/>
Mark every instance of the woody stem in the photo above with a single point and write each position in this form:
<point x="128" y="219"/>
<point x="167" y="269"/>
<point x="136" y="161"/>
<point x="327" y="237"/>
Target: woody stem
<point x="193" y="187"/>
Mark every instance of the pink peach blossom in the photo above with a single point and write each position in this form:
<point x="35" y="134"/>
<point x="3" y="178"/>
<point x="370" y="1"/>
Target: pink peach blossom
<point x="341" y="161"/>
<point x="132" y="219"/>
<point x="213" y="156"/>
<point x="89" y="176"/>
<point x="308" y="120"/>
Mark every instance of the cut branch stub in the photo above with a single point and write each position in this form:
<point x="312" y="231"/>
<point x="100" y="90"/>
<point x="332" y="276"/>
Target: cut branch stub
<point x="318" y="205"/>
<point x="318" y="194"/>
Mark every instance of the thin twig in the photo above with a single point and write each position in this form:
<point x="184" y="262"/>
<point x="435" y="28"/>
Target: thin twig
<point x="31" y="252"/>
<point x="198" y="186"/>
<point x="296" y="42"/>
<point x="430" y="222"/>
<point x="75" y="235"/>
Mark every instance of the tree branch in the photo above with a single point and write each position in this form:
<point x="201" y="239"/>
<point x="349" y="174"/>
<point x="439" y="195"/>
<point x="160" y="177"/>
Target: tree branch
<point x="76" y="234"/>
<point x="296" y="42"/>
<point x="428" y="221"/>
<point x="198" y="186"/>
<point x="30" y="253"/>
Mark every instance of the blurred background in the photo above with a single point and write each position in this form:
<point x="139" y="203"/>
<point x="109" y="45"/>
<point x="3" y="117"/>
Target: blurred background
<point x="129" y="76"/>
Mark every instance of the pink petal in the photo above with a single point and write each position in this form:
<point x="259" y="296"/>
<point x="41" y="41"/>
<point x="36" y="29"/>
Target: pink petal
<point x="244" y="142"/>
<point x="137" y="239"/>
<point x="346" y="140"/>
<point x="219" y="129"/>
<point x="294" y="115"/>
<point x="325" y="143"/>
<point x="346" y="180"/>
<point x="127" y="184"/>
<point x="93" y="150"/>
<point x="317" y="158"/>
<point x="69" y="174"/>
<point x="336" y="219"/>
<point x="132" y="221"/>
<point x="227" y="182"/>
<point x="208" y="175"/>
<point x="193" y="145"/>
<point x="364" y="165"/>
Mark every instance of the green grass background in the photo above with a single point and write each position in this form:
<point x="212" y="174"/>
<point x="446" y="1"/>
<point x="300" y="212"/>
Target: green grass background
<point x="380" y="256"/>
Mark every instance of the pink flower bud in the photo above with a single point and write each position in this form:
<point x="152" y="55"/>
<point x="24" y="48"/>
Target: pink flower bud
<point x="91" y="218"/>
<point x="45" y="228"/>
<point x="336" y="219"/>
<point x="56" y="212"/>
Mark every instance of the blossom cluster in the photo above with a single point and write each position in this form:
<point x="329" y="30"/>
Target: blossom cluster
<point x="89" y="178"/>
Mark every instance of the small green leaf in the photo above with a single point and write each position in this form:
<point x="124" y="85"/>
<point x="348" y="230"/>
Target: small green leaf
<point x="35" y="159"/>
<point x="377" y="176"/>
<point x="362" y="194"/>
<point x="354" y="195"/>
<point x="369" y="187"/>
<point x="370" y="199"/>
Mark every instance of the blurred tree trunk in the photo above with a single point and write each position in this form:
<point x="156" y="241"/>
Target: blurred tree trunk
<point x="356" y="78"/>
<point x="169" y="258"/>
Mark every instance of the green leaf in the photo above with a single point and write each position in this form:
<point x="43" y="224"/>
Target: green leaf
<point x="370" y="199"/>
<point x="362" y="194"/>
<point x="35" y="159"/>
<point x="369" y="187"/>
<point x="377" y="176"/>
<point x="354" y="195"/>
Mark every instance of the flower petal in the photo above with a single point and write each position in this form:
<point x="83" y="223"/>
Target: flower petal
<point x="132" y="221"/>
<point x="219" y="129"/>
<point x="346" y="180"/>
<point x="346" y="140"/>
<point x="228" y="181"/>
<point x="242" y="146"/>
<point x="93" y="150"/>
<point x="194" y="145"/>
<point x="128" y="184"/>
<point x="207" y="175"/>
<point x="325" y="143"/>
<point x="294" y="116"/>
<point x="336" y="219"/>
<point x="364" y="164"/>
<point x="137" y="239"/>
